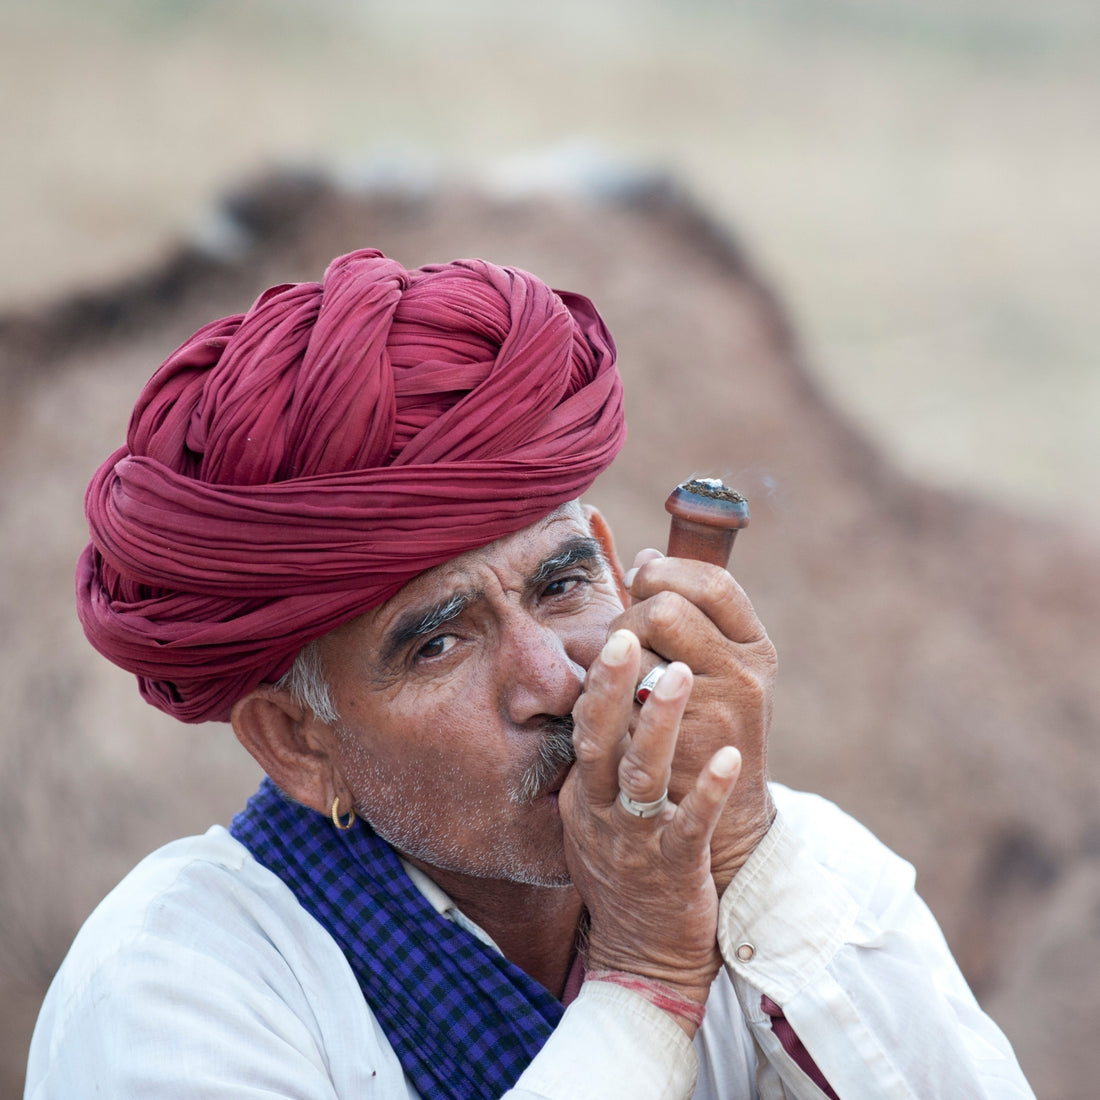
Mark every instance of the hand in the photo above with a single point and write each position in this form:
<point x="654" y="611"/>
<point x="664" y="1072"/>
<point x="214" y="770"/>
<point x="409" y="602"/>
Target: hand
<point x="697" y="613"/>
<point x="645" y="881"/>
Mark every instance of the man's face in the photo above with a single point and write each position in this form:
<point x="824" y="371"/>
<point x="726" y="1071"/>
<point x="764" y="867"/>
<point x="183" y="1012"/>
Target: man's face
<point x="446" y="693"/>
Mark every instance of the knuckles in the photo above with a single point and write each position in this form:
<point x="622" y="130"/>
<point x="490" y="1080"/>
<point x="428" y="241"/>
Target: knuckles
<point x="664" y="612"/>
<point x="588" y="750"/>
<point x="638" y="780"/>
<point x="716" y="587"/>
<point x="707" y="584"/>
<point x="674" y="598"/>
<point x="754" y="689"/>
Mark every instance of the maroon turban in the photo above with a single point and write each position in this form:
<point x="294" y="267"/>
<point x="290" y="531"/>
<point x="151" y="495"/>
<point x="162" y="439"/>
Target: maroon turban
<point x="292" y="467"/>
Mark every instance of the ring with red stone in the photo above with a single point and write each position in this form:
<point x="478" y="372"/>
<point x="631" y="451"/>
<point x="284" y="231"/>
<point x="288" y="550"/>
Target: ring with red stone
<point x="649" y="682"/>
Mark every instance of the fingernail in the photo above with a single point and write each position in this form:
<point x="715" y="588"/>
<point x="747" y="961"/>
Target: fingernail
<point x="617" y="648"/>
<point x="672" y="682"/>
<point x="640" y="559"/>
<point x="726" y="761"/>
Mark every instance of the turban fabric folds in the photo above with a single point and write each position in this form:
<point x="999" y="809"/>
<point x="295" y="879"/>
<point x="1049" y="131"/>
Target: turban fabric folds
<point x="292" y="467"/>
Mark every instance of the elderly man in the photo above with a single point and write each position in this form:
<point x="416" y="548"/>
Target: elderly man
<point x="348" y="523"/>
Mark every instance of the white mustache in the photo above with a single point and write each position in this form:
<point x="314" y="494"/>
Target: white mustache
<point x="555" y="752"/>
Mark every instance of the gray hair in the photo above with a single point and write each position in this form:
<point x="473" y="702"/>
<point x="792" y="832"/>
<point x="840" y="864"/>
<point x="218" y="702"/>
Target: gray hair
<point x="305" y="680"/>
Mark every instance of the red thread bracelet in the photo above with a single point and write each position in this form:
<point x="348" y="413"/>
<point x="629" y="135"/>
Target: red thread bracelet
<point x="658" y="994"/>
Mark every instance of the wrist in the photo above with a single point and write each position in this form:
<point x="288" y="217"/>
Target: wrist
<point x="726" y="864"/>
<point x="685" y="1007"/>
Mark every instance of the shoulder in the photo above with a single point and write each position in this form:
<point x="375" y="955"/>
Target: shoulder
<point x="190" y="909"/>
<point x="198" y="942"/>
<point x="842" y="845"/>
<point x="203" y="894"/>
<point x="809" y="813"/>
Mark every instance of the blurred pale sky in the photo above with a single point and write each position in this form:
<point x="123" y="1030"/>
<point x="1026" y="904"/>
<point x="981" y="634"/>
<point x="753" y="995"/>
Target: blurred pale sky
<point x="920" y="180"/>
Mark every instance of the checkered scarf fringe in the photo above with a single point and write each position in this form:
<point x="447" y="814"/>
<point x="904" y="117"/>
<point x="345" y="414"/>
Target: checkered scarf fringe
<point x="463" y="1020"/>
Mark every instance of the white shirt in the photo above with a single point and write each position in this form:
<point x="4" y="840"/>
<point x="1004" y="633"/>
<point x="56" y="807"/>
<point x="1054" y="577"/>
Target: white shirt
<point x="200" y="975"/>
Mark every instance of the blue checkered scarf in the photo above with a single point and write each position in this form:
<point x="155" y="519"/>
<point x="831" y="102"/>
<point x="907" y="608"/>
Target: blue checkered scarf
<point x="463" y="1020"/>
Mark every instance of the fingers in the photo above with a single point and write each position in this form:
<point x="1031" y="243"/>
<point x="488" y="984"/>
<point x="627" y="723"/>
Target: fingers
<point x="709" y="588"/>
<point x="649" y="554"/>
<point x="609" y="759"/>
<point x="646" y="765"/>
<point x="696" y="613"/>
<point x="601" y="716"/>
<point x="701" y="808"/>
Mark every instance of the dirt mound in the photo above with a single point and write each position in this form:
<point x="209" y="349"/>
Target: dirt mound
<point x="938" y="654"/>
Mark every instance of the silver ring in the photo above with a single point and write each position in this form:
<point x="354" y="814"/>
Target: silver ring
<point x="649" y="682"/>
<point x="643" y="809"/>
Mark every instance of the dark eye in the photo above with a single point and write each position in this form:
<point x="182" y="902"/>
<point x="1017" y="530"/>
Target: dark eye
<point x="436" y="647"/>
<point x="564" y="585"/>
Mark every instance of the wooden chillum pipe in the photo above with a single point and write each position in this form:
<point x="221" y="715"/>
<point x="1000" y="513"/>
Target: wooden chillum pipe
<point x="706" y="516"/>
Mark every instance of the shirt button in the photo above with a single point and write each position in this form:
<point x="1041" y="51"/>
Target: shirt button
<point x="745" y="952"/>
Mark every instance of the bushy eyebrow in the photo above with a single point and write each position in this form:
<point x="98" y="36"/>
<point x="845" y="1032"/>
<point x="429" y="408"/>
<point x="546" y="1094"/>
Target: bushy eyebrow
<point x="578" y="551"/>
<point x="422" y="621"/>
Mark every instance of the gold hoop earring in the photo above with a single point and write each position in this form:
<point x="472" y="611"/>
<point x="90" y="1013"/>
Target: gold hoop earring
<point x="336" y="816"/>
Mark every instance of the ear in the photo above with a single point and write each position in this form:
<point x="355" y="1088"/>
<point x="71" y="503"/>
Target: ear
<point x="297" y="750"/>
<point x="601" y="532"/>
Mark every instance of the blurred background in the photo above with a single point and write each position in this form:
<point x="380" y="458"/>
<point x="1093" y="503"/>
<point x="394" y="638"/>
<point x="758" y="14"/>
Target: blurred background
<point x="916" y="182"/>
<point x="918" y="177"/>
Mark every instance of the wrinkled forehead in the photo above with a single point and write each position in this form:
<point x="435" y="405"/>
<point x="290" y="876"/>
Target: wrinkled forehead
<point x="512" y="558"/>
<point x="518" y="552"/>
<point x="569" y="514"/>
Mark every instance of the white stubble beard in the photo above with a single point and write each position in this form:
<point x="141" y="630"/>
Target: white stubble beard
<point x="405" y="820"/>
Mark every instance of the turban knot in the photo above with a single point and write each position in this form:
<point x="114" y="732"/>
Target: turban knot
<point x="289" y="468"/>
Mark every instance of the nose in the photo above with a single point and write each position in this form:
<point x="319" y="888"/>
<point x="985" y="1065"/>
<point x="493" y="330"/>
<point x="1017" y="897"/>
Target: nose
<point x="538" y="676"/>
